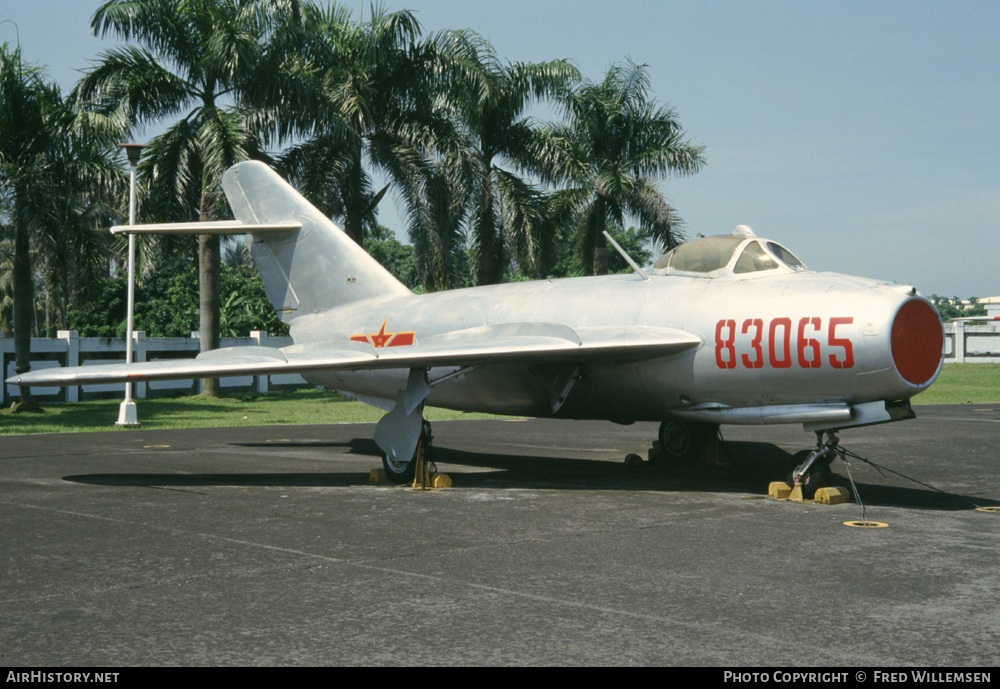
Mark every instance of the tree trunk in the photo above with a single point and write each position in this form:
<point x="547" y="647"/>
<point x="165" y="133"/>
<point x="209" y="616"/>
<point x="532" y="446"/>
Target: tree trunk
<point x="354" y="203"/>
<point x="487" y="272"/>
<point x="488" y="269"/>
<point x="596" y="224"/>
<point x="601" y="260"/>
<point x="209" y="261"/>
<point x="24" y="303"/>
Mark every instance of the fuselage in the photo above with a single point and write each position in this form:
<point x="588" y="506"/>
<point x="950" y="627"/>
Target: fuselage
<point x="785" y="339"/>
<point x="747" y="332"/>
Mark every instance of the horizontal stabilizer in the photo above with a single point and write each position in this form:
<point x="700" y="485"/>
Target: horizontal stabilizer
<point x="222" y="227"/>
<point x="512" y="343"/>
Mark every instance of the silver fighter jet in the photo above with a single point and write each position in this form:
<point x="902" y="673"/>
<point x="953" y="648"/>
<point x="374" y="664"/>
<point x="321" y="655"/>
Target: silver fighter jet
<point x="725" y="329"/>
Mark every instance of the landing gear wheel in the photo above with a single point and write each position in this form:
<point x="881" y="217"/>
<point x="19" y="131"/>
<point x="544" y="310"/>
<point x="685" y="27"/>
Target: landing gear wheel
<point x="683" y="442"/>
<point x="399" y="472"/>
<point x="818" y="476"/>
<point x="403" y="472"/>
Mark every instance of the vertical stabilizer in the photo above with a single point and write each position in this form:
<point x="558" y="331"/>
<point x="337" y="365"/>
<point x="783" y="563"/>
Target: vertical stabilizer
<point x="310" y="270"/>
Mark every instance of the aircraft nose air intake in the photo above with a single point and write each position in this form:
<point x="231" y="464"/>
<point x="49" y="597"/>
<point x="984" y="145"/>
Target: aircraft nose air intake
<point x="917" y="342"/>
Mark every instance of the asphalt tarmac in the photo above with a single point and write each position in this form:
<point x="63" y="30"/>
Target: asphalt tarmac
<point x="269" y="546"/>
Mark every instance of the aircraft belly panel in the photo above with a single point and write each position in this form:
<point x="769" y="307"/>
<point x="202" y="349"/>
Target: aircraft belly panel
<point x="380" y="384"/>
<point x="507" y="390"/>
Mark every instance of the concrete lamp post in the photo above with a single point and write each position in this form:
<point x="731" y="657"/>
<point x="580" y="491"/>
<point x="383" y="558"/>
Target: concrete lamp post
<point x="126" y="412"/>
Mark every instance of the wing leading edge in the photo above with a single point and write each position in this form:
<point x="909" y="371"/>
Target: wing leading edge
<point x="492" y="344"/>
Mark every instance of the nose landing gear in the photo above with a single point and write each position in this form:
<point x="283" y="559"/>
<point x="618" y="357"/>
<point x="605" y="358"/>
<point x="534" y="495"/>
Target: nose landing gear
<point x="812" y="467"/>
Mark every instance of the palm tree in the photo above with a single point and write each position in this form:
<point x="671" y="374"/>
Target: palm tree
<point x="91" y="185"/>
<point x="436" y="209"/>
<point x="608" y="154"/>
<point x="6" y="286"/>
<point x="358" y="94"/>
<point x="197" y="61"/>
<point x="56" y="176"/>
<point x="27" y="106"/>
<point x="490" y="101"/>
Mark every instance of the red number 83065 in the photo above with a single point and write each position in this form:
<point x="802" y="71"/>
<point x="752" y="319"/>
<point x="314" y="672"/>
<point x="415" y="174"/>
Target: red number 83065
<point x="772" y="345"/>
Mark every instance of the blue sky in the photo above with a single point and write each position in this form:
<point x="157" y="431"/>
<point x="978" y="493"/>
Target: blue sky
<point x="864" y="136"/>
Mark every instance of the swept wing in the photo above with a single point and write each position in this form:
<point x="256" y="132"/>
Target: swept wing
<point x="491" y="344"/>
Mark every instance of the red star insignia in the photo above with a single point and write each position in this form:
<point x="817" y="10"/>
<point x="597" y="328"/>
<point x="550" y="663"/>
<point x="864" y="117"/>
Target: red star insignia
<point x="383" y="339"/>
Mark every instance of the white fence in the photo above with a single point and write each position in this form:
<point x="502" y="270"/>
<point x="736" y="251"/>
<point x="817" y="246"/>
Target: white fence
<point x="69" y="349"/>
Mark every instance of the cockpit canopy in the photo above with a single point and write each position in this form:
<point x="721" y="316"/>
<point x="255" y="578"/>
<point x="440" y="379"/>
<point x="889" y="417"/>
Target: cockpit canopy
<point x="740" y="255"/>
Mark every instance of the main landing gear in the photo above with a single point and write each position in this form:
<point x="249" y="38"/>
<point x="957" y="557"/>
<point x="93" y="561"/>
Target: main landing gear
<point x="423" y="455"/>
<point x="684" y="442"/>
<point x="403" y="472"/>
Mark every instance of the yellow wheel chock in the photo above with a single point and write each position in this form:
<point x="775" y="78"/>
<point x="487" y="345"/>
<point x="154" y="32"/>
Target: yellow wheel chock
<point x="824" y="496"/>
<point x="423" y="477"/>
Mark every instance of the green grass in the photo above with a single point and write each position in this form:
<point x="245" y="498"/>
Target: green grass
<point x="298" y="407"/>
<point x="964" y="384"/>
<point x="957" y="384"/>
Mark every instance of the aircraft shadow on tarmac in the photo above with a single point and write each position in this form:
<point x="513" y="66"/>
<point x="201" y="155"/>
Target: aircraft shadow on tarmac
<point x="746" y="467"/>
<point x="323" y="479"/>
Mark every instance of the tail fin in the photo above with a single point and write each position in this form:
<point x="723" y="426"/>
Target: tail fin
<point x="309" y="270"/>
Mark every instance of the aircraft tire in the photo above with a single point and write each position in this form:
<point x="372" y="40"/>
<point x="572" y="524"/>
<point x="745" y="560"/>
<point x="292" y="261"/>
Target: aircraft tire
<point x="399" y="472"/>
<point x="683" y="442"/>
<point x="818" y="476"/>
<point x="403" y="472"/>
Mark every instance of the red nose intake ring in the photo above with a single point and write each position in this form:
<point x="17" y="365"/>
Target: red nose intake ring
<point x="917" y="342"/>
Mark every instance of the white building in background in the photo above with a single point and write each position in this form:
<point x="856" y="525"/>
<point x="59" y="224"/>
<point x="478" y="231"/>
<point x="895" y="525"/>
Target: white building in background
<point x="974" y="340"/>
